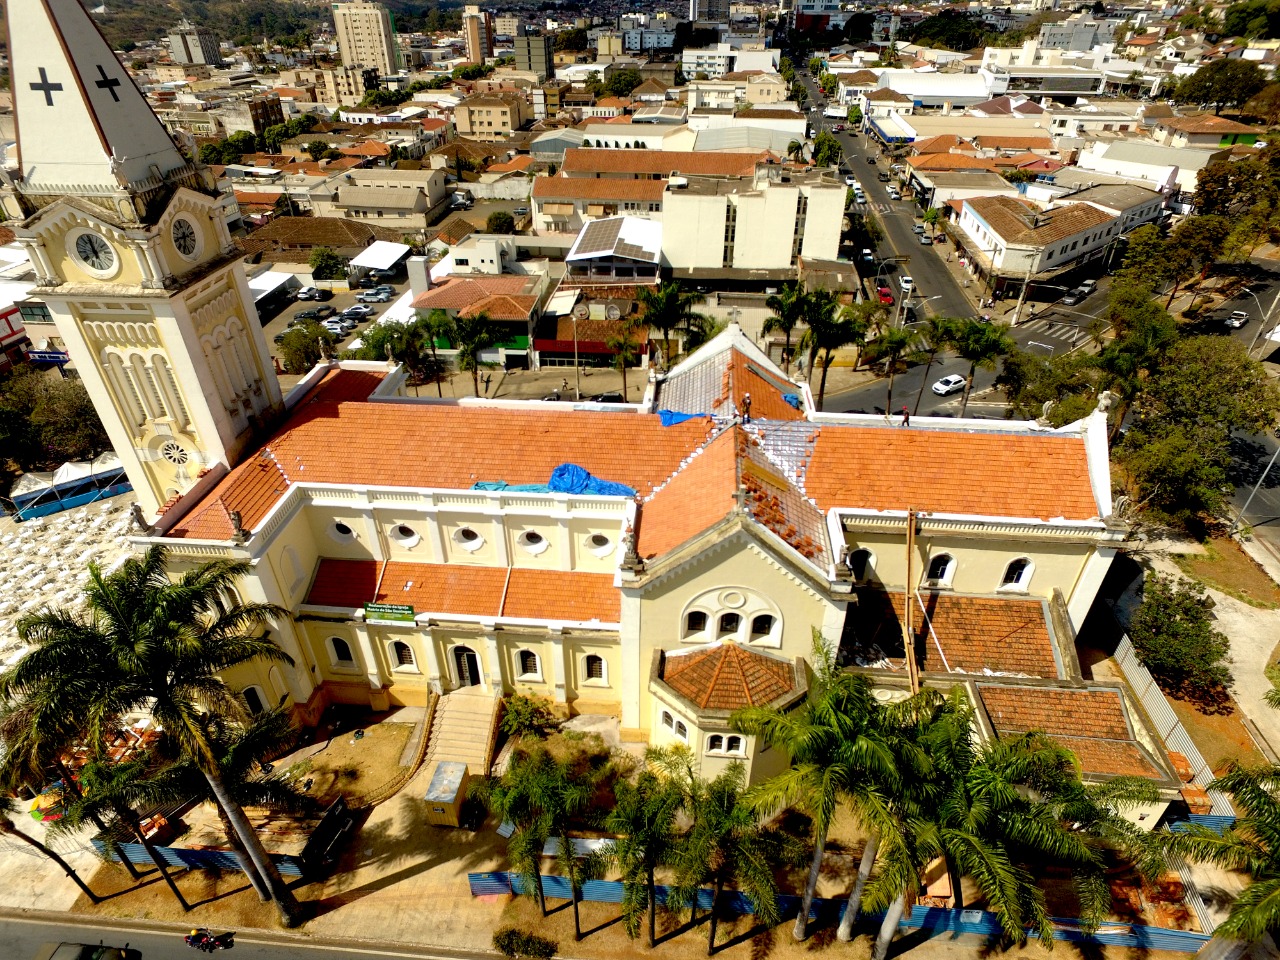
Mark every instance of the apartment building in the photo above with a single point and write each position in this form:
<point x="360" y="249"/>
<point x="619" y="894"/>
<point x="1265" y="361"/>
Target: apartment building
<point x="365" y="36"/>
<point x="507" y="24"/>
<point x="477" y="31"/>
<point x="491" y="117"/>
<point x="536" y="55"/>
<point x="338" y="87"/>
<point x="191" y="44"/>
<point x="564" y="204"/>
<point x="1004" y="237"/>
<point x="399" y="199"/>
<point x="779" y="214"/>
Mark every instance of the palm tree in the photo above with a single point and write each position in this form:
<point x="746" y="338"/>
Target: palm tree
<point x="118" y="789"/>
<point x="936" y="334"/>
<point x="1251" y="845"/>
<point x="643" y="821"/>
<point x="836" y="754"/>
<point x="795" y="150"/>
<point x="435" y="326"/>
<point x="522" y="798"/>
<point x="982" y="344"/>
<point x="9" y="829"/>
<point x="474" y="334"/>
<point x="893" y="345"/>
<point x="788" y="310"/>
<point x="666" y="308"/>
<point x="242" y="750"/>
<point x="625" y="347"/>
<point x="726" y="845"/>
<point x="146" y="642"/>
<point x="827" y="333"/>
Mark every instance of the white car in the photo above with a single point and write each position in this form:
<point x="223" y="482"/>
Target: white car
<point x="851" y="181"/>
<point x="867" y="255"/>
<point x="907" y="284"/>
<point x="948" y="385"/>
<point x="1237" y="319"/>
<point x="894" y="193"/>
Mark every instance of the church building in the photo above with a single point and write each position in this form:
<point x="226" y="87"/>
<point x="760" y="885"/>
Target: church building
<point x="665" y="562"/>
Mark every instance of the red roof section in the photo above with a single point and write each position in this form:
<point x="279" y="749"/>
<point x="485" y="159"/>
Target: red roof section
<point x="697" y="498"/>
<point x="727" y="676"/>
<point x="465" y="590"/>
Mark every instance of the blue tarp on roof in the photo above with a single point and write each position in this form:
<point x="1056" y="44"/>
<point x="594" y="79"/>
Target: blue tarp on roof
<point x="566" y="478"/>
<point x="793" y="399"/>
<point x="670" y="418"/>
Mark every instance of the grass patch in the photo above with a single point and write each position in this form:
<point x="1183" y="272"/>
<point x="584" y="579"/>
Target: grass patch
<point x="1228" y="569"/>
<point x="1220" y="737"/>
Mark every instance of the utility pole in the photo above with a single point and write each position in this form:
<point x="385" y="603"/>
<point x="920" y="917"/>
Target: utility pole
<point x="908" y="639"/>
<point x="1022" y="297"/>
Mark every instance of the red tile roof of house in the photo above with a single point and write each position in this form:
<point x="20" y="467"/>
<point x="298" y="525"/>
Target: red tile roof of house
<point x="1206" y="123"/>
<point x="459" y="291"/>
<point x="951" y="161"/>
<point x="1093" y="723"/>
<point x="727" y="676"/>
<point x="466" y="590"/>
<point x="1014" y="143"/>
<point x="696" y="499"/>
<point x="976" y="634"/>
<point x="369" y="148"/>
<point x="516" y="164"/>
<point x="590" y="188"/>
<point x="1017" y="222"/>
<point x="942" y="143"/>
<point x="502" y="307"/>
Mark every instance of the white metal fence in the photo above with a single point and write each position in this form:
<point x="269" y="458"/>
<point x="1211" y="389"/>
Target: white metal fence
<point x="1167" y="723"/>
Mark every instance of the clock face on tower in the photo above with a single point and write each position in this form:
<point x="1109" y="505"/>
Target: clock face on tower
<point x="94" y="252"/>
<point x="184" y="237"/>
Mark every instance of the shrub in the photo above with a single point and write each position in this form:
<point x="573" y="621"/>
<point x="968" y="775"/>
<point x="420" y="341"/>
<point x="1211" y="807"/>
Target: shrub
<point x="1174" y="637"/>
<point x="513" y="942"/>
<point x="528" y="717"/>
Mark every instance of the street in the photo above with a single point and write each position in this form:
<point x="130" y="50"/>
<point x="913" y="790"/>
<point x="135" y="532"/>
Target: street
<point x="22" y="936"/>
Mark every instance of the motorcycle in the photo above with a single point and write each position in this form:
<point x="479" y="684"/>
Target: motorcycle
<point x="204" y="940"/>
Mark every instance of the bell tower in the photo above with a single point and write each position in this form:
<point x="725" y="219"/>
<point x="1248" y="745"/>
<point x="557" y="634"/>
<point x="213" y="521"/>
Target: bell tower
<point x="132" y="257"/>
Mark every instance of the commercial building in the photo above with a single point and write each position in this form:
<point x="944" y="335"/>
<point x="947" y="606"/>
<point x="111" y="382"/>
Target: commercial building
<point x="389" y="198"/>
<point x="366" y="38"/>
<point x="1004" y="237"/>
<point x="191" y="44"/>
<point x="477" y="32"/>
<point x="536" y="54"/>
<point x="491" y="116"/>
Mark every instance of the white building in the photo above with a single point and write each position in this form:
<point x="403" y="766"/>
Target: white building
<point x="1011" y="237"/>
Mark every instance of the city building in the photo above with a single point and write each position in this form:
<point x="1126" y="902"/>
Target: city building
<point x="1205" y="131"/>
<point x="536" y="54"/>
<point x="491" y="116"/>
<point x="477" y="31"/>
<point x="388" y="198"/>
<point x="366" y="37"/>
<point x="1007" y="238"/>
<point x="189" y="44"/>
<point x="507" y="24"/>
<point x="337" y="87"/>
<point x="564" y="204"/>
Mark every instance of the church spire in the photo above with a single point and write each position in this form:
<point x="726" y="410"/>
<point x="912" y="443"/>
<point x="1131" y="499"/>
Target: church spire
<point x="83" y="126"/>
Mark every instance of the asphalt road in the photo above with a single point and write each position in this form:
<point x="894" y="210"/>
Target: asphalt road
<point x="21" y="937"/>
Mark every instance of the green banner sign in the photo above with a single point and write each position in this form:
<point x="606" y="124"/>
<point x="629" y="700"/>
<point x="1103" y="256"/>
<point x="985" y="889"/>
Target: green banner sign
<point x="388" y="613"/>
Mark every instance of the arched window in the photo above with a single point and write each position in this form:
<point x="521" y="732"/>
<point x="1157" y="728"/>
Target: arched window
<point x="667" y="719"/>
<point x="695" y="621"/>
<point x="729" y="623"/>
<point x="403" y="654"/>
<point x="761" y="625"/>
<point x="682" y="731"/>
<point x="340" y="652"/>
<point x="593" y="667"/>
<point x="1017" y="575"/>
<point x="861" y="563"/>
<point x="941" y="569"/>
<point x="715" y="743"/>
<point x="254" y="700"/>
<point x="529" y="666"/>
<point x="733" y="745"/>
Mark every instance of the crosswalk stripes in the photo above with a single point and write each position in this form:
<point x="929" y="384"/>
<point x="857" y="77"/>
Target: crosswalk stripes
<point x="1056" y="329"/>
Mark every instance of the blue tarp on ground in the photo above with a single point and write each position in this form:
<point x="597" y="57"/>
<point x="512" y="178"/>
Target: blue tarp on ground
<point x="571" y="478"/>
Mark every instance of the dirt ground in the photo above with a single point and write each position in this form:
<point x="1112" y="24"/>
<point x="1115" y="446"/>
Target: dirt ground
<point x="1225" y="567"/>
<point x="1220" y="737"/>
<point x="350" y="767"/>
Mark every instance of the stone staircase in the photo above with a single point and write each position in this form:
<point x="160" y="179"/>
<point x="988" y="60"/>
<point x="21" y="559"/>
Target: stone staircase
<point x="461" y="729"/>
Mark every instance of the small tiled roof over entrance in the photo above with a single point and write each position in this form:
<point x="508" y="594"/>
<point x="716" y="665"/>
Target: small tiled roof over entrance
<point x="728" y="676"/>
<point x="1092" y="723"/>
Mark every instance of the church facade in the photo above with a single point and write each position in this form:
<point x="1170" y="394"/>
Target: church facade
<point x="666" y="562"/>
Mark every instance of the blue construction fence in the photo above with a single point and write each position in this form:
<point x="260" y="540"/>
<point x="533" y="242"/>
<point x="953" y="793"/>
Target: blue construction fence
<point x="935" y="919"/>
<point x="184" y="858"/>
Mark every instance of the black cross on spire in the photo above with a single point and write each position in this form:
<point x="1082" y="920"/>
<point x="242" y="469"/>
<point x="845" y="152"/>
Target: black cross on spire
<point x="108" y="84"/>
<point x="45" y="87"/>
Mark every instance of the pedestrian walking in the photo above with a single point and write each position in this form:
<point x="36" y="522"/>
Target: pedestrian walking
<point x="906" y="416"/>
<point x="564" y="384"/>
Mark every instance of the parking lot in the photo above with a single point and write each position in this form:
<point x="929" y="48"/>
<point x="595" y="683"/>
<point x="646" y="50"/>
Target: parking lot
<point x="279" y="324"/>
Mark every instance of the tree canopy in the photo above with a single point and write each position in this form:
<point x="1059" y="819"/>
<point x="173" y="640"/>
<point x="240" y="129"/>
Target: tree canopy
<point x="1222" y="83"/>
<point x="47" y="420"/>
<point x="1174" y="637"/>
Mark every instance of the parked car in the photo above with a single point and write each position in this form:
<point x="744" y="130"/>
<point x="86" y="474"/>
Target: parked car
<point x="367" y="282"/>
<point x="307" y="293"/>
<point x="917" y="228"/>
<point x="851" y="181"/>
<point x="315" y="313"/>
<point x="383" y="275"/>
<point x="336" y="328"/>
<point x="520" y="211"/>
<point x="871" y="160"/>
<point x="1089" y="286"/>
<point x="882" y="177"/>
<point x="907" y="284"/>
<point x="373" y="296"/>
<point x="895" y="193"/>
<point x="361" y="310"/>
<point x="953" y="383"/>
<point x="1237" y="319"/>
<point x="461" y="201"/>
<point x="279" y="337"/>
<point x="838" y="128"/>
<point x="867" y="255"/>
<point x="885" y="296"/>
<point x="926" y="241"/>
<point x="610" y="397"/>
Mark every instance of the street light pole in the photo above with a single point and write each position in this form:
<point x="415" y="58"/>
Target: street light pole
<point x="1254" y="491"/>
<point x="1264" y="319"/>
<point x="577" y="370"/>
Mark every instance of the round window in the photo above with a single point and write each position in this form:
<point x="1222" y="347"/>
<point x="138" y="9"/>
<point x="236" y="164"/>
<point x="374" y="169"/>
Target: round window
<point x="598" y="541"/>
<point x="175" y="453"/>
<point x="342" y="532"/>
<point x="532" y="538"/>
<point x="468" y="539"/>
<point x="533" y="542"/>
<point x="404" y="535"/>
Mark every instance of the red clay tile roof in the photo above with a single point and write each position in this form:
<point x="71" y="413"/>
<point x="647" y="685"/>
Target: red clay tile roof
<point x="458" y="292"/>
<point x="1014" y="143"/>
<point x="502" y="307"/>
<point x="466" y="590"/>
<point x="1206" y="123"/>
<point x="942" y="143"/>
<point x="660" y="162"/>
<point x="589" y="188"/>
<point x="882" y="469"/>
<point x="950" y="161"/>
<point x="1016" y="222"/>
<point x="1092" y="723"/>
<point x="522" y="162"/>
<point x="405" y="444"/>
<point x="977" y="634"/>
<point x="727" y="676"/>
<point x="697" y="498"/>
